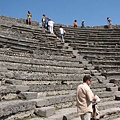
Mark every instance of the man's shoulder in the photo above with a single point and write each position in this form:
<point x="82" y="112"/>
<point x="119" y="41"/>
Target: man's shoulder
<point x="84" y="85"/>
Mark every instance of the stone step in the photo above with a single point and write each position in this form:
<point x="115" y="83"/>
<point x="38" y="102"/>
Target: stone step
<point x="108" y="113"/>
<point x="43" y="69"/>
<point x="104" y="62"/>
<point x="108" y="67"/>
<point x="71" y="114"/>
<point x="108" y="104"/>
<point x="112" y="88"/>
<point x="117" y="95"/>
<point x="27" y="95"/>
<point x="95" y="45"/>
<point x="98" y="53"/>
<point x="45" y="111"/>
<point x="97" y="49"/>
<point x="116" y="118"/>
<point x="105" y="95"/>
<point x="35" y="76"/>
<point x="115" y="81"/>
<point x="21" y="57"/>
<point x="9" y="92"/>
<point x="85" y="39"/>
<point x="71" y="98"/>
<point x="103" y="57"/>
<point x="113" y="77"/>
<point x="111" y="73"/>
<point x="59" y="101"/>
<point x="13" y="107"/>
<point x="11" y="81"/>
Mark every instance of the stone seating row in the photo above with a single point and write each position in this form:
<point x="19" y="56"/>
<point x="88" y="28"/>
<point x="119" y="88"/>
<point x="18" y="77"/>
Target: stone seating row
<point x="95" y="35"/>
<point x="8" y="53"/>
<point x="26" y="30"/>
<point x="97" y="49"/>
<point x="27" y="41"/>
<point x="36" y="43"/>
<point x="29" y="48"/>
<point x="42" y="61"/>
<point x="51" y="101"/>
<point x="15" y="108"/>
<point x="88" y="39"/>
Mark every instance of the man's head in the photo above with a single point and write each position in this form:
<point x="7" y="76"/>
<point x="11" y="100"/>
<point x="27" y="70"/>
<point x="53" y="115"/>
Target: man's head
<point x="87" y="79"/>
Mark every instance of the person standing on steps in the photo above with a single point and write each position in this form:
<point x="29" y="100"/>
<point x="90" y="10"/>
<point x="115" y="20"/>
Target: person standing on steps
<point x="43" y="20"/>
<point x="83" y="24"/>
<point x="75" y="23"/>
<point x="62" y="33"/>
<point x="51" y="23"/>
<point x="109" y="21"/>
<point x="84" y="99"/>
<point x="29" y="15"/>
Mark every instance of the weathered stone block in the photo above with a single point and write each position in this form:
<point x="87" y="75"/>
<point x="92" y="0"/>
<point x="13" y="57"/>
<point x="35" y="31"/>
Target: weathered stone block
<point x="45" y="111"/>
<point x="27" y="95"/>
<point x="39" y="102"/>
<point x="14" y="82"/>
<point x="22" y="88"/>
<point x="115" y="81"/>
<point x="112" y="88"/>
<point x="117" y="95"/>
<point x="13" y="107"/>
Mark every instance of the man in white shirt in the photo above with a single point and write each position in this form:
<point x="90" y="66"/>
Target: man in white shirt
<point x="51" y="23"/>
<point x="84" y="99"/>
<point x="62" y="33"/>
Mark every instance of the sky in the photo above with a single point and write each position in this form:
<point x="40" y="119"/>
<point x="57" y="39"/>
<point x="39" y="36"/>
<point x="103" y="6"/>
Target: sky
<point x="93" y="12"/>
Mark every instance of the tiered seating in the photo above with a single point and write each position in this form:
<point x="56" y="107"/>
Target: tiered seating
<point x="39" y="76"/>
<point x="100" y="47"/>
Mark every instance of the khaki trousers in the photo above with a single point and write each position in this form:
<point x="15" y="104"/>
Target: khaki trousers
<point x="86" y="116"/>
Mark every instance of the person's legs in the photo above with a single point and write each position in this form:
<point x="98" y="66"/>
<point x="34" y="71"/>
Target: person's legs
<point x="86" y="116"/>
<point x="29" y="21"/>
<point x="110" y="25"/>
<point x="50" y="28"/>
<point x="62" y="37"/>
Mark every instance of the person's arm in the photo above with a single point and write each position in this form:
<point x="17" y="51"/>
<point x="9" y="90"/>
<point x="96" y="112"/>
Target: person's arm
<point x="90" y="95"/>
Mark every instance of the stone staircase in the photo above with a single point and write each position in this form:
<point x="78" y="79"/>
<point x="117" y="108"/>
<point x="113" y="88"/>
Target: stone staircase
<point x="39" y="75"/>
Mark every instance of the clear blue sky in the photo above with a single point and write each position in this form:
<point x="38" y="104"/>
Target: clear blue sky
<point x="94" y="12"/>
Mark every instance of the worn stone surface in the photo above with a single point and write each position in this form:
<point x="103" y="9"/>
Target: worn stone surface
<point x="13" y="107"/>
<point x="112" y="88"/>
<point x="115" y="81"/>
<point x="27" y="95"/>
<point x="117" y="95"/>
<point x="22" y="88"/>
<point x="45" y="111"/>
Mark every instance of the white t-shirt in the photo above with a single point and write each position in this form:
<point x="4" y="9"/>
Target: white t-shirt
<point x="61" y="31"/>
<point x="50" y="23"/>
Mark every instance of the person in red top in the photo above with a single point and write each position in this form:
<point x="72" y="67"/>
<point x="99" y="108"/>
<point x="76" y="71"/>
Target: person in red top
<point x="75" y="23"/>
